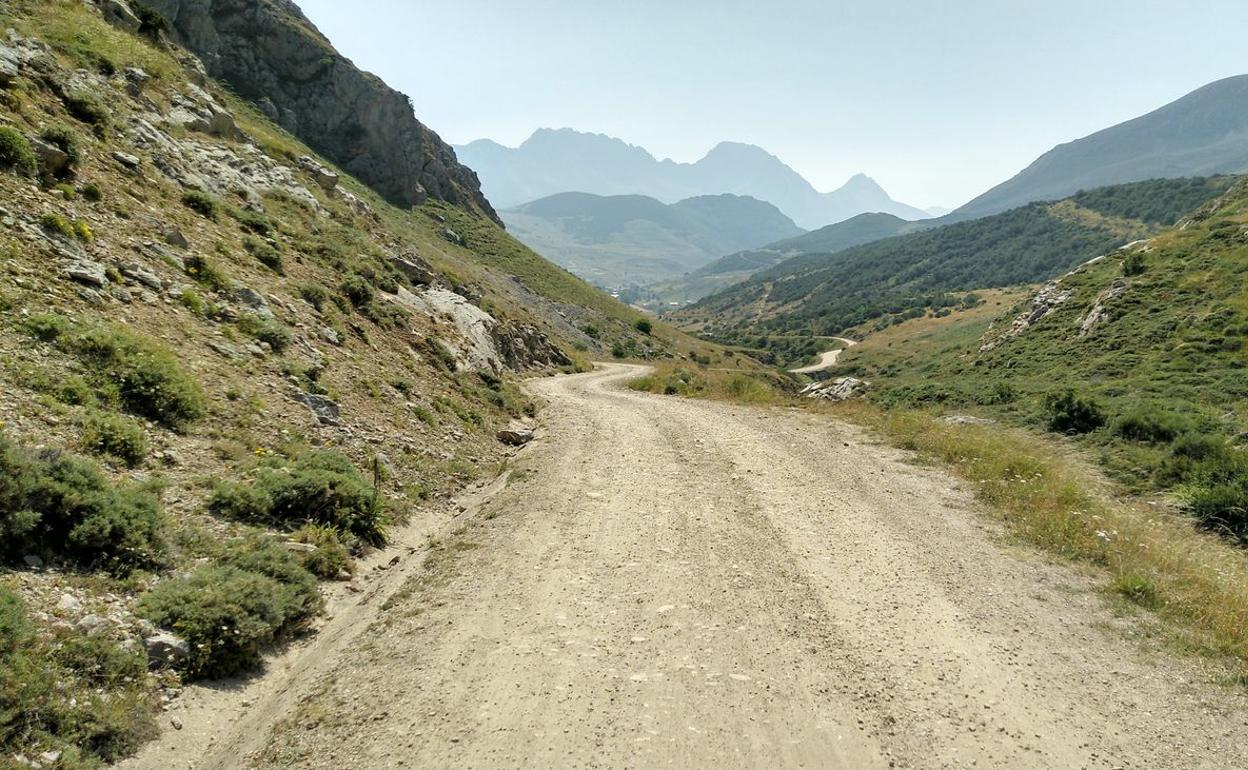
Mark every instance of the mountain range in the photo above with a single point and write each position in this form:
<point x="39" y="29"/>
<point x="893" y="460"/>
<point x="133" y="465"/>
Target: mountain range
<point x="554" y="161"/>
<point x="622" y="240"/>
<point x="1203" y="133"/>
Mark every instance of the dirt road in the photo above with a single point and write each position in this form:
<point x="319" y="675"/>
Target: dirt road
<point x="672" y="583"/>
<point x="828" y="359"/>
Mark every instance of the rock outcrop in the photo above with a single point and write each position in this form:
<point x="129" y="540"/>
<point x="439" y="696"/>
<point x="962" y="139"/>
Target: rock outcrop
<point x="271" y="54"/>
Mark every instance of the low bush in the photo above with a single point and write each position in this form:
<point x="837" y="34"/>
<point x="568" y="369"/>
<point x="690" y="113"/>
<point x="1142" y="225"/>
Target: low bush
<point x="314" y="295"/>
<point x="146" y="378"/>
<point x="67" y="140"/>
<point x="88" y="107"/>
<point x="265" y="329"/>
<point x="201" y="203"/>
<point x="57" y="224"/>
<point x="1149" y="426"/>
<point x="644" y="326"/>
<point x="115" y="436"/>
<point x="61" y="506"/>
<point x="91" y="192"/>
<point x="359" y="291"/>
<point x="1069" y="413"/>
<point x="330" y="560"/>
<point x="16" y="154"/>
<point x="254" y="221"/>
<point x="85" y="698"/>
<point x="264" y="254"/>
<point x="206" y="272"/>
<point x="321" y="487"/>
<point x="230" y="612"/>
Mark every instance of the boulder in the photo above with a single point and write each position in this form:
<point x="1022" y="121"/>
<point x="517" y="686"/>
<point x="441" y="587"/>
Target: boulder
<point x="515" y="436"/>
<point x="126" y="159"/>
<point x="88" y="272"/>
<point x="165" y="650"/>
<point x="415" y="269"/>
<point x="324" y="176"/>
<point x="840" y="389"/>
<point x="119" y="14"/>
<point x="52" y="159"/>
<point x="326" y="410"/>
<point x="136" y="272"/>
<point x="174" y="237"/>
<point x="252" y="299"/>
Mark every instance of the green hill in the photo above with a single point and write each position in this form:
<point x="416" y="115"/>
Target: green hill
<point x="1151" y="342"/>
<point x="626" y="240"/>
<point x="899" y="278"/>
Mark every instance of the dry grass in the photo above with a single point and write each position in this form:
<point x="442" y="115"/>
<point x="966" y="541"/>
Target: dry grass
<point x="747" y="386"/>
<point x="1054" y="500"/>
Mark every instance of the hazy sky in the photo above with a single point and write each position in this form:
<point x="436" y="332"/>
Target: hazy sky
<point x="936" y="100"/>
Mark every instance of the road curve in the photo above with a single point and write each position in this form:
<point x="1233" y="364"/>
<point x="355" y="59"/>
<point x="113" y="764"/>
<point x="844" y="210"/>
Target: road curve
<point x="828" y="359"/>
<point x="676" y="583"/>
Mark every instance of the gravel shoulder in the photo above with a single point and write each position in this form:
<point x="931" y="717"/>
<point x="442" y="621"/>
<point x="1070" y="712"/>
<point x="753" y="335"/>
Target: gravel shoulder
<point x="676" y="583"/>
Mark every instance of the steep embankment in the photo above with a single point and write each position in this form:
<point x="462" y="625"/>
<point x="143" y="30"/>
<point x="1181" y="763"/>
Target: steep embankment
<point x="899" y="278"/>
<point x="229" y="369"/>
<point x="626" y="240"/>
<point x="1204" y="133"/>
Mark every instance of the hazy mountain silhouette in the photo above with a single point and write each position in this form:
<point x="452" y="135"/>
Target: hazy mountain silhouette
<point x="1205" y="132"/>
<point x="563" y="160"/>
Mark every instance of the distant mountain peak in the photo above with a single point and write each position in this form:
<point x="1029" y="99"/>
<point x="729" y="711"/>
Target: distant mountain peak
<point x="553" y="161"/>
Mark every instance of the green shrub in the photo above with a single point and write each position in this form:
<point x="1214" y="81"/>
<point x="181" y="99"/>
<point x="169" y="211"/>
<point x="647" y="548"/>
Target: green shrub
<point x="644" y="326"/>
<point x="320" y="487"/>
<point x="55" y="504"/>
<point x="67" y="140"/>
<point x="331" y="559"/>
<point x="82" y="231"/>
<point x="1222" y="508"/>
<point x="117" y="436"/>
<point x="88" y="107"/>
<point x="81" y="696"/>
<point x="57" y="224"/>
<point x="206" y="272"/>
<point x="151" y="23"/>
<point x="265" y="254"/>
<point x="359" y="291"/>
<point x="314" y="295"/>
<point x="1070" y="414"/>
<point x="618" y="350"/>
<point x="201" y="203"/>
<point x="16" y="154"/>
<point x="150" y="381"/>
<point x="48" y="327"/>
<point x="387" y="315"/>
<point x="1149" y="426"/>
<point x="91" y="192"/>
<point x="230" y="613"/>
<point x="265" y="329"/>
<point x="1133" y="264"/>
<point x="254" y="221"/>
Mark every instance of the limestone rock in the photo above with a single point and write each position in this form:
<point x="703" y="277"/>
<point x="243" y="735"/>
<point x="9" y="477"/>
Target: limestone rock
<point x="52" y="159"/>
<point x="515" y="436"/>
<point x="165" y="650"/>
<point x="415" y="269"/>
<point x="840" y="389"/>
<point x="268" y="50"/>
<point x="88" y="272"/>
<point x="326" y="410"/>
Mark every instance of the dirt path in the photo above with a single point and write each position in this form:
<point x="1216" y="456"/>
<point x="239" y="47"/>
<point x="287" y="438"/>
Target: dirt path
<point x="827" y="360"/>
<point x="673" y="583"/>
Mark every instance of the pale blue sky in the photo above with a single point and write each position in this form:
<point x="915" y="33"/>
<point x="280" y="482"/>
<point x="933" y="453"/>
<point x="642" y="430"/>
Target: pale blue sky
<point x="936" y="100"/>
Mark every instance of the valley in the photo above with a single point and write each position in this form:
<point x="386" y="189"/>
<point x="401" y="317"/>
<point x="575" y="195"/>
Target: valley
<point x="330" y="442"/>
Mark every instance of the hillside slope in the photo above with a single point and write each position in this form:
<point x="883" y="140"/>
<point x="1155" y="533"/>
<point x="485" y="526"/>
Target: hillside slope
<point x="1203" y="133"/>
<point x="1151" y="341"/>
<point x="557" y="161"/>
<point x="631" y="239"/>
<point x="739" y="266"/>
<point x="903" y="277"/>
<point x="229" y="369"/>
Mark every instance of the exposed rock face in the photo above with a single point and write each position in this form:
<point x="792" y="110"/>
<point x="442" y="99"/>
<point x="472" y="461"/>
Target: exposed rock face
<point x="271" y="54"/>
<point x="840" y="389"/>
<point x="1049" y="298"/>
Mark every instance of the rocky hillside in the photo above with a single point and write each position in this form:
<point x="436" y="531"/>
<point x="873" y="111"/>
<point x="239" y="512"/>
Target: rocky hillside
<point x="268" y="52"/>
<point x="230" y="368"/>
<point x="905" y="277"/>
<point x="1205" y="132"/>
<point x="626" y="240"/>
